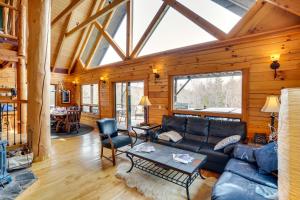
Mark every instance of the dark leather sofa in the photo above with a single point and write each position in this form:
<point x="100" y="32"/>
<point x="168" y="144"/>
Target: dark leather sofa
<point x="201" y="135"/>
<point x="241" y="179"/>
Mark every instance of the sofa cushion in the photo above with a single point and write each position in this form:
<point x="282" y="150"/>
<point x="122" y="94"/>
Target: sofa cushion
<point x="213" y="156"/>
<point x="227" y="141"/>
<point x="231" y="186"/>
<point x="197" y="129"/>
<point x="250" y="171"/>
<point x="244" y="152"/>
<point x="175" y="123"/>
<point x="219" y="129"/>
<point x="190" y="145"/>
<point x="267" y="158"/>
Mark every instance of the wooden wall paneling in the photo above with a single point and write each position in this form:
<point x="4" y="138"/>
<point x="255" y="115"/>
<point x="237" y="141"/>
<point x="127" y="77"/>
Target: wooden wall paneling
<point x="67" y="11"/>
<point x="250" y="53"/>
<point x="289" y="5"/>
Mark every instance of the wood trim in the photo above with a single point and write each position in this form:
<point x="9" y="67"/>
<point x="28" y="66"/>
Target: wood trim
<point x="111" y="41"/>
<point x="3" y="35"/>
<point x="245" y="92"/>
<point x="129" y="28"/>
<point x="200" y="21"/>
<point x="61" y="40"/>
<point x="246" y="18"/>
<point x="292" y="6"/>
<point x="86" y="33"/>
<point x="95" y="46"/>
<point x="72" y="6"/>
<point x="98" y="14"/>
<point x="150" y="29"/>
<point x="203" y="114"/>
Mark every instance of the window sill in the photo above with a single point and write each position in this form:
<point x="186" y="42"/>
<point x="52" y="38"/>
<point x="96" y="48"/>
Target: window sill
<point x="87" y="114"/>
<point x="210" y="114"/>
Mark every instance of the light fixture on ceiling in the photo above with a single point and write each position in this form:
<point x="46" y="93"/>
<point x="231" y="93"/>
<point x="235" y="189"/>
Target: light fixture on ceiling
<point x="275" y="63"/>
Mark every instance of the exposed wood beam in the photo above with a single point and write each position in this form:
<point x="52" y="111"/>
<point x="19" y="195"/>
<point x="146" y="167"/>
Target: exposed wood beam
<point x="8" y="6"/>
<point x="100" y="13"/>
<point x="86" y="33"/>
<point x="111" y="41"/>
<point x="246" y="18"/>
<point x="95" y="46"/>
<point x="74" y="4"/>
<point x="129" y="28"/>
<point x="150" y="29"/>
<point x="203" y="23"/>
<point x="61" y="40"/>
<point x="292" y="6"/>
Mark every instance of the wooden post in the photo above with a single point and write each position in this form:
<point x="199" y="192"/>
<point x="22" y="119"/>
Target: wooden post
<point x="21" y="70"/>
<point x="38" y="126"/>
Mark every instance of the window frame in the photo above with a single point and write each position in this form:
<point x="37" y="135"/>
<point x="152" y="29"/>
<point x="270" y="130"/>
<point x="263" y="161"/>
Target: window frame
<point x="243" y="116"/>
<point x="90" y="105"/>
<point x="55" y="95"/>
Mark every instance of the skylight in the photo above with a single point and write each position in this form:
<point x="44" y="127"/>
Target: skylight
<point x="143" y="13"/>
<point x="175" y="31"/>
<point x="91" y="42"/>
<point x="219" y="16"/>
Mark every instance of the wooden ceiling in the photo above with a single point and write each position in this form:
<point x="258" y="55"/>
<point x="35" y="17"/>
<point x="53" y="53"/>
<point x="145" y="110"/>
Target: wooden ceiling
<point x="72" y="22"/>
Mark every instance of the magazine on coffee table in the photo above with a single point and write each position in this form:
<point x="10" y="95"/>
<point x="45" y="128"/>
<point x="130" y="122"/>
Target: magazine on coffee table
<point x="183" y="158"/>
<point x="144" y="148"/>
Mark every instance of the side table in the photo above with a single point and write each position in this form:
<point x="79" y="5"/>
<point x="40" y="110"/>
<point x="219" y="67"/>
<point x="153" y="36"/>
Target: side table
<point x="147" y="131"/>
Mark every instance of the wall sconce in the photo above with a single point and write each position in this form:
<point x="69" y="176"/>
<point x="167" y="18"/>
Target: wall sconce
<point x="102" y="79"/>
<point x="156" y="74"/>
<point x="75" y="83"/>
<point x="275" y="63"/>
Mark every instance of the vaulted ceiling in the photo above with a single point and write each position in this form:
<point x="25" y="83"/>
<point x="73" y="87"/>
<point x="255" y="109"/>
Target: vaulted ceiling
<point x="83" y="31"/>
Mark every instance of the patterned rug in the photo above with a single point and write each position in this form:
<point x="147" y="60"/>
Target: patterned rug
<point x="84" y="129"/>
<point x="21" y="180"/>
<point x="159" y="189"/>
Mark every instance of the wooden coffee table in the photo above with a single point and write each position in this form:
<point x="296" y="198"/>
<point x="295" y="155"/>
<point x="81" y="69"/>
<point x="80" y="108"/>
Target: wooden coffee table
<point x="160" y="163"/>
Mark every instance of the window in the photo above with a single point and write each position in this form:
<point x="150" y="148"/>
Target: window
<point x="213" y="92"/>
<point x="90" y="98"/>
<point x="127" y="98"/>
<point x="52" y="96"/>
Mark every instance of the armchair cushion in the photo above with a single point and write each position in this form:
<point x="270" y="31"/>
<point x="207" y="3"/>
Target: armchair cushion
<point x="107" y="127"/>
<point x="118" y="141"/>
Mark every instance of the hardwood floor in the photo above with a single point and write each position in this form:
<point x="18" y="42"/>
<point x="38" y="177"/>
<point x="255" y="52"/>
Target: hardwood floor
<point x="75" y="171"/>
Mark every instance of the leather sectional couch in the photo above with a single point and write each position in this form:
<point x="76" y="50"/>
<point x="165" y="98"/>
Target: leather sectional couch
<point x="201" y="135"/>
<point x="241" y="179"/>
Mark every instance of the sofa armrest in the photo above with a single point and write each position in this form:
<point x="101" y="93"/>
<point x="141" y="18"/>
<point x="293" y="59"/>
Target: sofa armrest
<point x="157" y="132"/>
<point x="244" y="152"/>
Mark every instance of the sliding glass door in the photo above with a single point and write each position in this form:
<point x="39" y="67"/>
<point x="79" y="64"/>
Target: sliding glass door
<point x="127" y="98"/>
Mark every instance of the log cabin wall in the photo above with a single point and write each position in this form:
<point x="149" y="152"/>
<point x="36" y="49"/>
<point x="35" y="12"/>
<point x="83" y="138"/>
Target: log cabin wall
<point x="252" y="53"/>
<point x="8" y="78"/>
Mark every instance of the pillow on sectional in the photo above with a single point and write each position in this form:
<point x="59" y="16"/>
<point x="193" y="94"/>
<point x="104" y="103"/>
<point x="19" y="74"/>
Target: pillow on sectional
<point x="244" y="152"/>
<point x="267" y="158"/>
<point x="170" y="136"/>
<point x="227" y="141"/>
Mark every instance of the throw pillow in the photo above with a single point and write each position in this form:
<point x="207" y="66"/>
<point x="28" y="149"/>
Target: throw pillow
<point x="227" y="141"/>
<point x="164" y="137"/>
<point x="267" y="158"/>
<point x="244" y="152"/>
<point x="170" y="136"/>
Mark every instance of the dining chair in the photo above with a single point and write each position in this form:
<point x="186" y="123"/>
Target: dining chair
<point x="112" y="138"/>
<point x="72" y="120"/>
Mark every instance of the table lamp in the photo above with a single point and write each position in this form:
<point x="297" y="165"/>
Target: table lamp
<point x="271" y="106"/>
<point x="146" y="103"/>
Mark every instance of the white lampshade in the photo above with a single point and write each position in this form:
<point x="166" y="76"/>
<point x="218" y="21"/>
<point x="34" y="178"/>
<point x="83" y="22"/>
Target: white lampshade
<point x="272" y="104"/>
<point x="145" y="101"/>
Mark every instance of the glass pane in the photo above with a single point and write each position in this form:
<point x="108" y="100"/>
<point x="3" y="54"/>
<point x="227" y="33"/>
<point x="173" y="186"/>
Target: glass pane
<point x="85" y="108"/>
<point x="95" y="109"/>
<point x="120" y="36"/>
<point x="143" y="13"/>
<point x="120" y="104"/>
<point x="135" y="93"/>
<point x="216" y="14"/>
<point x="216" y="92"/>
<point x="110" y="56"/>
<point x="95" y="94"/>
<point x="52" y="96"/>
<point x="175" y="31"/>
<point x="91" y="42"/>
<point x="86" y="94"/>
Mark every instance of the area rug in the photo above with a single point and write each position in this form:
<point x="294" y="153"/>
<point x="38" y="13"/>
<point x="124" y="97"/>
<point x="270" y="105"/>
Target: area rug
<point x="159" y="189"/>
<point x="84" y="129"/>
<point x="21" y="180"/>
